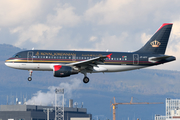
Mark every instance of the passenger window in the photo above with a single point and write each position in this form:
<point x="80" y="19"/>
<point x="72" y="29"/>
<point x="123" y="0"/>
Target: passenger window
<point x="111" y="58"/>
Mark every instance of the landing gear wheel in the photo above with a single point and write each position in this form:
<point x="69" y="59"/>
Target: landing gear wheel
<point x="29" y="78"/>
<point x="30" y="74"/>
<point x="86" y="80"/>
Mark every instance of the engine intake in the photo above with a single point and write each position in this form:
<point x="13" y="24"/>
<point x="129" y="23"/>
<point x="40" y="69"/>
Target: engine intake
<point x="63" y="71"/>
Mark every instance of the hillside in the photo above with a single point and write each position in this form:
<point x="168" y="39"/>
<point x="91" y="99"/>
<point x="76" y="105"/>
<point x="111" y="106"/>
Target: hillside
<point x="7" y="51"/>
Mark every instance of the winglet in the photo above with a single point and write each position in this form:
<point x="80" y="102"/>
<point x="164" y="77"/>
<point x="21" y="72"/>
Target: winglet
<point x="109" y="56"/>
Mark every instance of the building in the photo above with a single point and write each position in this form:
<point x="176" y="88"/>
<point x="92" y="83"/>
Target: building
<point x="172" y="110"/>
<point x="33" y="112"/>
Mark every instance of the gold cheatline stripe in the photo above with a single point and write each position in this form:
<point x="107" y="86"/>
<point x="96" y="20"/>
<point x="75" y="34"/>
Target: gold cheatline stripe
<point x="65" y="61"/>
<point x="36" y="61"/>
<point x="48" y="61"/>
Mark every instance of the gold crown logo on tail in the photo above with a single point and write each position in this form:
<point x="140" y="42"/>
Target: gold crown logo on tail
<point x="155" y="43"/>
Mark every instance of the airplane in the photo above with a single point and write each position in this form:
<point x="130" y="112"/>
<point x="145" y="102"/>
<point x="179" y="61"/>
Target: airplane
<point x="65" y="63"/>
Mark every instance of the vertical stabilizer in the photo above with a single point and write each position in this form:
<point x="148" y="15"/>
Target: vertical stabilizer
<point x="158" y="42"/>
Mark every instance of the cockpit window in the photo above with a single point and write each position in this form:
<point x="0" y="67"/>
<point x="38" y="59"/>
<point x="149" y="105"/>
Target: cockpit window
<point x="16" y="56"/>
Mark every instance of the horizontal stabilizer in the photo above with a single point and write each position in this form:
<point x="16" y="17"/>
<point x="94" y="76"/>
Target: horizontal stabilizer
<point x="156" y="59"/>
<point x="160" y="58"/>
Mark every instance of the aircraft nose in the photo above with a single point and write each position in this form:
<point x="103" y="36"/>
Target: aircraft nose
<point x="10" y="64"/>
<point x="7" y="63"/>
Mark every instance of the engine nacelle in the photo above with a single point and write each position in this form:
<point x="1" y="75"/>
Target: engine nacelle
<point x="63" y="71"/>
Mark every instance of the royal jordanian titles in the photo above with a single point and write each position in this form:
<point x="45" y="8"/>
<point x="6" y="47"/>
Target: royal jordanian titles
<point x="66" y="63"/>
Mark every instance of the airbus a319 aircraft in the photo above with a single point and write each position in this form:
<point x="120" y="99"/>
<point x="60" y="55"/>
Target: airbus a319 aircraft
<point x="66" y="63"/>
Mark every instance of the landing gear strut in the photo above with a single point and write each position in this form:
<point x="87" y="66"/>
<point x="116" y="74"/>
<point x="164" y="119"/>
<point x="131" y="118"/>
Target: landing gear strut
<point x="85" y="79"/>
<point x="30" y="74"/>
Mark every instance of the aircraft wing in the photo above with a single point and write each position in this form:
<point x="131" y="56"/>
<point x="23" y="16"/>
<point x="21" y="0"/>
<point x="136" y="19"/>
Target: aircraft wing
<point x="90" y="63"/>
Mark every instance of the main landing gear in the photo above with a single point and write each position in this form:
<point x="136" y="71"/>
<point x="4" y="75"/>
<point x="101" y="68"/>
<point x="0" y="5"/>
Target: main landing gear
<point x="85" y="79"/>
<point x="30" y="74"/>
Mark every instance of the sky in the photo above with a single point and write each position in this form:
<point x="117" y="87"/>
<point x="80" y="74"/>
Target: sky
<point x="114" y="25"/>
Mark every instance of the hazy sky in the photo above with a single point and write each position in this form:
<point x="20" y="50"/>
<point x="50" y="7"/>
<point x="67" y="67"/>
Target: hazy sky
<point x="116" y="25"/>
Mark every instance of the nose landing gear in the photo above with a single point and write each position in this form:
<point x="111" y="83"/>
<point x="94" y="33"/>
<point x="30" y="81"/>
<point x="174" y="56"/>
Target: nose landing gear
<point x="29" y="78"/>
<point x="30" y="74"/>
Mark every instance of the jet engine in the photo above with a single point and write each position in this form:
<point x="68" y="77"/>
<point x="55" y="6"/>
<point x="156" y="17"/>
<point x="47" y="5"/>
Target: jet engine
<point x="63" y="71"/>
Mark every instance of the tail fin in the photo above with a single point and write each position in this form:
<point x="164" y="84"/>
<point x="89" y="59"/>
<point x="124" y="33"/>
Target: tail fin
<point x="158" y="42"/>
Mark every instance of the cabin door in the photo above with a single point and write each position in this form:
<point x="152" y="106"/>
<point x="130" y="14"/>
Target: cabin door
<point x="135" y="59"/>
<point x="30" y="56"/>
